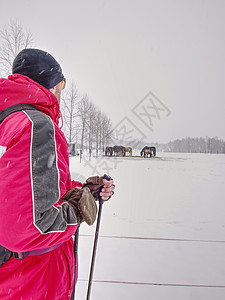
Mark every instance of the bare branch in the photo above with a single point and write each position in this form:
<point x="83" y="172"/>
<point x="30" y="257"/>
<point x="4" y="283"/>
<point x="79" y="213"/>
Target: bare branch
<point x="13" y="39"/>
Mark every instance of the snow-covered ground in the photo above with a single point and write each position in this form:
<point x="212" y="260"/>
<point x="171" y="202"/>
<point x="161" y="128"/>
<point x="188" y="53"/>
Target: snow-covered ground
<point x="162" y="234"/>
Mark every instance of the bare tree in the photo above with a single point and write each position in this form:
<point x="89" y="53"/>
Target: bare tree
<point x="106" y="131"/>
<point x="69" y="107"/>
<point x="91" y="120"/>
<point x="13" y="39"/>
<point x="97" y="130"/>
<point x="82" y="113"/>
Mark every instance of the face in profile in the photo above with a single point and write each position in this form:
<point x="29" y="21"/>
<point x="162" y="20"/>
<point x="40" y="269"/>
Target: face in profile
<point x="57" y="90"/>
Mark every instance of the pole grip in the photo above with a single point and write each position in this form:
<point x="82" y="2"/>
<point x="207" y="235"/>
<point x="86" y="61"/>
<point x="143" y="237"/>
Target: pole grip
<point x="107" y="177"/>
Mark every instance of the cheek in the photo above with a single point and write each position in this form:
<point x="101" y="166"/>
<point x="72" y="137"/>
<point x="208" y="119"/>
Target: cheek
<point x="58" y="94"/>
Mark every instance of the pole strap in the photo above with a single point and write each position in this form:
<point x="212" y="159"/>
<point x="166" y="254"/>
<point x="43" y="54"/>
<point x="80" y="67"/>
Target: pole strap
<point x="22" y="255"/>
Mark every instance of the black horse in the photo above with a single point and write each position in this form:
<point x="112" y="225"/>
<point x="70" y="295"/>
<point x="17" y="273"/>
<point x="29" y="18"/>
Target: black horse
<point x="148" y="151"/>
<point x="153" y="150"/>
<point x="108" y="151"/>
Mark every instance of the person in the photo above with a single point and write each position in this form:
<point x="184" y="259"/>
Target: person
<point x="40" y="206"/>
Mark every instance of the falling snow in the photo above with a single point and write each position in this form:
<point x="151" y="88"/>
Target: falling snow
<point x="174" y="196"/>
<point x="51" y="160"/>
<point x="18" y="218"/>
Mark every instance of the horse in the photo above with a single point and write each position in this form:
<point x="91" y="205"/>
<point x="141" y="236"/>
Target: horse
<point x="129" y="150"/>
<point x="153" y="150"/>
<point x="115" y="150"/>
<point x="108" y="151"/>
<point x="148" y="151"/>
<point x="119" y="151"/>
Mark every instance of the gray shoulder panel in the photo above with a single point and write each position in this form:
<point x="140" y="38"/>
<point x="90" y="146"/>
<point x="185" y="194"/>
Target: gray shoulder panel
<point x="45" y="177"/>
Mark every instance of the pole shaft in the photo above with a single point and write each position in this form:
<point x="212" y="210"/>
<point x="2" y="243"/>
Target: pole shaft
<point x="94" y="249"/>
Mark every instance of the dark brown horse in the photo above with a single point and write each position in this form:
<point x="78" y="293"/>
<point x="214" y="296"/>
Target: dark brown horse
<point x="115" y="150"/>
<point x="119" y="151"/>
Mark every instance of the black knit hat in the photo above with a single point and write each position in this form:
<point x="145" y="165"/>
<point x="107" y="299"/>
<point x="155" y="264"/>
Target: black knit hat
<point x="39" y="66"/>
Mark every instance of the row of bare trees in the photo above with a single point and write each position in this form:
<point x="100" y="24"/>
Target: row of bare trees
<point x="196" y="145"/>
<point x="84" y="124"/>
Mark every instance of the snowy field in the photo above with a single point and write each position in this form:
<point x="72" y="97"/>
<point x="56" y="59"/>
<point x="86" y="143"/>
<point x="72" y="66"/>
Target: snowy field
<point x="162" y="235"/>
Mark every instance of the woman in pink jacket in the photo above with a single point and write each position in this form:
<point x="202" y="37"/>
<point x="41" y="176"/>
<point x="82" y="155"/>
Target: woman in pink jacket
<point x="36" y="221"/>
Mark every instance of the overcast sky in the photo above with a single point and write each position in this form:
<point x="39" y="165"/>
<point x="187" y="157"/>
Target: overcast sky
<point x="156" y="67"/>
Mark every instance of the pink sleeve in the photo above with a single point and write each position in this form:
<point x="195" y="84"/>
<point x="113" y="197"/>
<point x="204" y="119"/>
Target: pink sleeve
<point x="76" y="184"/>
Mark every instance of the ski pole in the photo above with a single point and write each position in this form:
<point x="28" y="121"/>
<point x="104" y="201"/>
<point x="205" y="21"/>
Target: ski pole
<point x="75" y="261"/>
<point x="95" y="242"/>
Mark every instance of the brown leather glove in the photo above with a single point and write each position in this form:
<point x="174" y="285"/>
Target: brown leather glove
<point x="83" y="204"/>
<point x="96" y="185"/>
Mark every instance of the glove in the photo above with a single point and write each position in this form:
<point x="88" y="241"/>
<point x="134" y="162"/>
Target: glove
<point x="100" y="187"/>
<point x="83" y="204"/>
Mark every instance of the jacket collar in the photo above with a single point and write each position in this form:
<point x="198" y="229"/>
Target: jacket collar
<point x="21" y="89"/>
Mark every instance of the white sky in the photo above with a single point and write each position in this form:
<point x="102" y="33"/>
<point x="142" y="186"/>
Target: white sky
<point x="119" y="50"/>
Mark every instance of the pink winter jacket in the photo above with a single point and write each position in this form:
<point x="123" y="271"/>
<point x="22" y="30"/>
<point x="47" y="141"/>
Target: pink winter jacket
<point x="34" y="175"/>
